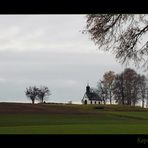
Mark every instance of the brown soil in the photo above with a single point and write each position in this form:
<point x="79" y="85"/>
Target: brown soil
<point x="38" y="108"/>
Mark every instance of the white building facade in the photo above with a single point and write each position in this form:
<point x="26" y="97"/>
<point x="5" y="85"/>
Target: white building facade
<point x="90" y="97"/>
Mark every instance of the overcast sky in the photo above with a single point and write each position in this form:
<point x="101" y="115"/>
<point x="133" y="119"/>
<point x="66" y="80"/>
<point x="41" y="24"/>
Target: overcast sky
<point x="49" y="50"/>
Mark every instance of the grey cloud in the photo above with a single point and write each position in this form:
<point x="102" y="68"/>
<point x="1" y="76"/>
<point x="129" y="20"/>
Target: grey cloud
<point x="65" y="73"/>
<point x="49" y="50"/>
<point x="40" y="31"/>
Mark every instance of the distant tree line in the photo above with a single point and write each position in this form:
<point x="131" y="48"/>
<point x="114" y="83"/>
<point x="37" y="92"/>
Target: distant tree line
<point x="126" y="88"/>
<point x="35" y="93"/>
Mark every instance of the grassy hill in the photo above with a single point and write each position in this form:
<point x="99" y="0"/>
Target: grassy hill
<point x="62" y="108"/>
<point x="21" y="118"/>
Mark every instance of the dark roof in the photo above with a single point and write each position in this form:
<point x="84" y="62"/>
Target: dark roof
<point x="93" y="96"/>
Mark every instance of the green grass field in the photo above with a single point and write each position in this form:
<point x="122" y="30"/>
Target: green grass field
<point x="85" y="120"/>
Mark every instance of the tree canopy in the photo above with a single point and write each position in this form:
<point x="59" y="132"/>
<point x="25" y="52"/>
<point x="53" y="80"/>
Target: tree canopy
<point x="35" y="93"/>
<point x="43" y="92"/>
<point x="126" y="88"/>
<point x="125" y="35"/>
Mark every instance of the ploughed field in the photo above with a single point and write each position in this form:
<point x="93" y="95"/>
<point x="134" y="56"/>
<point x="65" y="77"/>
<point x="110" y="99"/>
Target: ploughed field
<point x="23" y="118"/>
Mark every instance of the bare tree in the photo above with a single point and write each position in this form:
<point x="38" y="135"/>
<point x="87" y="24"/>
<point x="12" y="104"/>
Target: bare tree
<point x="146" y="97"/>
<point x="129" y="87"/>
<point x="32" y="93"/>
<point x="101" y="90"/>
<point x="43" y="92"/>
<point x="108" y="79"/>
<point x="122" y="34"/>
<point x="118" y="89"/>
<point x="142" y="88"/>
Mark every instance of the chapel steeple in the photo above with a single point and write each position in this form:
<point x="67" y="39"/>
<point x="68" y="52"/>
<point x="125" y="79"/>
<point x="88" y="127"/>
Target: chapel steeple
<point x="87" y="88"/>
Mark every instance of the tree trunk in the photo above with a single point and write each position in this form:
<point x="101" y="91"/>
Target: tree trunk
<point x="32" y="101"/>
<point x="110" y="97"/>
<point x="122" y="95"/>
<point x="42" y="99"/>
<point x="104" y="101"/>
<point x="123" y="100"/>
<point x="142" y="102"/>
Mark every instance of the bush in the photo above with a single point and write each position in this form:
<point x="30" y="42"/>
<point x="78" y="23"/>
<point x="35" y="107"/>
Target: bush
<point x="98" y="107"/>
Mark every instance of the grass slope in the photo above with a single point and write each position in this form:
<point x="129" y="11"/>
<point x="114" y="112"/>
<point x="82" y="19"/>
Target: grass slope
<point x="72" y="119"/>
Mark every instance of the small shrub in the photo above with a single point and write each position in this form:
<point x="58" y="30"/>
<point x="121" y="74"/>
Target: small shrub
<point x="98" y="107"/>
